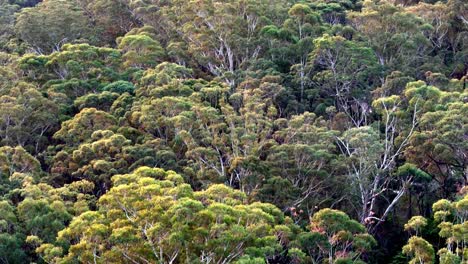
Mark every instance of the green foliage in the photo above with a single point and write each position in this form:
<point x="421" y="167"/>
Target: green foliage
<point x="120" y="87"/>
<point x="10" y="236"/>
<point x="420" y="250"/>
<point x="258" y="113"/>
<point x="398" y="38"/>
<point x="27" y="117"/>
<point x="74" y="71"/>
<point x="163" y="219"/>
<point x="441" y="124"/>
<point x="17" y="159"/>
<point x="80" y="128"/>
<point x="451" y="219"/>
<point x="339" y="239"/>
<point x="50" y="24"/>
<point x="347" y="70"/>
<point x="110" y="19"/>
<point x="102" y="101"/>
<point x="7" y="22"/>
<point x="140" y="49"/>
<point x="416" y="223"/>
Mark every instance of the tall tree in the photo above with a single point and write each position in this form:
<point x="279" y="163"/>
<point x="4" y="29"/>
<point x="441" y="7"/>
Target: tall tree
<point x="345" y="70"/>
<point x="397" y="37"/>
<point x="50" y="24"/>
<point x="215" y="225"/>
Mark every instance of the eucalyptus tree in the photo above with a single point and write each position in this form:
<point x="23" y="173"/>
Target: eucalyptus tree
<point x="50" y="24"/>
<point x="151" y="215"/>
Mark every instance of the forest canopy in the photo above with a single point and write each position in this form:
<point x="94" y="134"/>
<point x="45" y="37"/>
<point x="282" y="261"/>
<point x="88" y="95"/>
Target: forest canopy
<point x="235" y="131"/>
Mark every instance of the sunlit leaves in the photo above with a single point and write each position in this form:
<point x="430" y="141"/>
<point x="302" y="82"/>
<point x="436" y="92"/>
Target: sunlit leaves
<point x="62" y="19"/>
<point x="162" y="218"/>
<point x="420" y="251"/>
